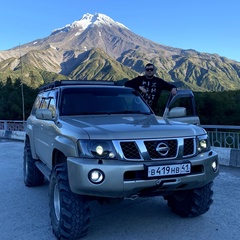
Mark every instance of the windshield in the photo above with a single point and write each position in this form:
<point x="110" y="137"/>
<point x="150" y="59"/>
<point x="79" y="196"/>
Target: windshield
<point x="101" y="100"/>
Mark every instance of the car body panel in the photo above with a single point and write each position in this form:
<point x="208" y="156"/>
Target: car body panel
<point x="55" y="127"/>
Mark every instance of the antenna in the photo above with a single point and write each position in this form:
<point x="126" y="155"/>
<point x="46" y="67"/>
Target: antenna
<point x="21" y="65"/>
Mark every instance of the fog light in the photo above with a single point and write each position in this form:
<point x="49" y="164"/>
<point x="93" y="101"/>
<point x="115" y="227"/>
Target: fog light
<point x="96" y="176"/>
<point x="214" y="166"/>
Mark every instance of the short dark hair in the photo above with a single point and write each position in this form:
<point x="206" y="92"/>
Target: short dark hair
<point x="149" y="65"/>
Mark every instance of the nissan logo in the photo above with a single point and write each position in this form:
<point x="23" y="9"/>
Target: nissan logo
<point x="163" y="149"/>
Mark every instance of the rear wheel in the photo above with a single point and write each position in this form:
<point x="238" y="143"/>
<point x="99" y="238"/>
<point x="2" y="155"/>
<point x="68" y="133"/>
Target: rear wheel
<point x="69" y="212"/>
<point x="32" y="175"/>
<point x="191" y="203"/>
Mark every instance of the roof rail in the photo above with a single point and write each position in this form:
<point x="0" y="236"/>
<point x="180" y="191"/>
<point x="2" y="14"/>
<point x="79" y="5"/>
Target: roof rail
<point x="74" y="82"/>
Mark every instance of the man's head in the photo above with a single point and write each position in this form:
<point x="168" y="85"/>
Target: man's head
<point x="149" y="70"/>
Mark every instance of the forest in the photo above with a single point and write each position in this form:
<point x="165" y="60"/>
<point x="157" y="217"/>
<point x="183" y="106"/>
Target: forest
<point x="213" y="108"/>
<point x="14" y="97"/>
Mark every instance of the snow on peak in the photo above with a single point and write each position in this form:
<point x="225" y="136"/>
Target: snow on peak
<point x="88" y="20"/>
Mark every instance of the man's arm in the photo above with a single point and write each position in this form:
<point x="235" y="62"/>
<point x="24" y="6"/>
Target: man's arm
<point x="167" y="86"/>
<point x="134" y="83"/>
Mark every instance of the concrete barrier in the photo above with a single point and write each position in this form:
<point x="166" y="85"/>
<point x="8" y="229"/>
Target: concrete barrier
<point x="226" y="156"/>
<point x="16" y="135"/>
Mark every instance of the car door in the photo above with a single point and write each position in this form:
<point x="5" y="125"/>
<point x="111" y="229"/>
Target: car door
<point x="182" y="108"/>
<point x="45" y="129"/>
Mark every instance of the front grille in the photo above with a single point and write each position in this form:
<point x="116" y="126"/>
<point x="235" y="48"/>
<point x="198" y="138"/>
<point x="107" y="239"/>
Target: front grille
<point x="155" y="154"/>
<point x="158" y="149"/>
<point x="188" y="147"/>
<point x="130" y="150"/>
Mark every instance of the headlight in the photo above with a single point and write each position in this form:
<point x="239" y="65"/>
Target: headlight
<point x="96" y="149"/>
<point x="203" y="144"/>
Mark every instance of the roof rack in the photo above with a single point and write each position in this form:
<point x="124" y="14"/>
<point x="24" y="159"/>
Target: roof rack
<point x="75" y="82"/>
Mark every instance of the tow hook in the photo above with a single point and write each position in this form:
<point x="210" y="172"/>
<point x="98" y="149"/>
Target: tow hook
<point x="168" y="182"/>
<point x="133" y="197"/>
<point x="158" y="182"/>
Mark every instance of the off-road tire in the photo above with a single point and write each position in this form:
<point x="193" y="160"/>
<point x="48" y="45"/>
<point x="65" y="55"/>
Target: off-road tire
<point x="191" y="203"/>
<point x="32" y="175"/>
<point x="69" y="212"/>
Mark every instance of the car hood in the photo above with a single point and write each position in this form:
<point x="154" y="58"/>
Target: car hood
<point x="128" y="127"/>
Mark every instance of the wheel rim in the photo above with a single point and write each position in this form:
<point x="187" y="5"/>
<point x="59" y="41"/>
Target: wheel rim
<point x="56" y="202"/>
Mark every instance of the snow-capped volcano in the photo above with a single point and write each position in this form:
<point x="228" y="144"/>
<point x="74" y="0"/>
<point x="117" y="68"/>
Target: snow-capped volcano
<point x="89" y="20"/>
<point x="97" y="47"/>
<point x="91" y="31"/>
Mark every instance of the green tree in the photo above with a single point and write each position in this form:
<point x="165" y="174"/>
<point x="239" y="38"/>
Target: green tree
<point x="11" y="100"/>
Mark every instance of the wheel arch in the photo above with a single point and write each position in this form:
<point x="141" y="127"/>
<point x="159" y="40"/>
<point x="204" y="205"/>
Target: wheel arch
<point x="64" y="146"/>
<point x="58" y="157"/>
<point x="28" y="140"/>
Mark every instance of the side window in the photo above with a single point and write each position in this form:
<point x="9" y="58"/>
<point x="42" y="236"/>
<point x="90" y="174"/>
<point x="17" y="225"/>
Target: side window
<point x="36" y="104"/>
<point x="45" y="100"/>
<point x="45" y="103"/>
<point x="52" y="107"/>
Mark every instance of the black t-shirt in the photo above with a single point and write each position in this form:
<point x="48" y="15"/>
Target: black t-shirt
<point x="154" y="86"/>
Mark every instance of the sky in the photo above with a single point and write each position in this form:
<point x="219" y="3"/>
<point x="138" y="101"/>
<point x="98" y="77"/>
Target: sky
<point x="210" y="26"/>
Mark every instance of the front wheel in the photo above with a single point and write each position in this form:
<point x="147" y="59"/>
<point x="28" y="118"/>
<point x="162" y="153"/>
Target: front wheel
<point x="191" y="203"/>
<point x="69" y="212"/>
<point x="32" y="175"/>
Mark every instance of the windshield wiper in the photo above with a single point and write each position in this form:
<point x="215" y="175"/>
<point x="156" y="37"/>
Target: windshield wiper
<point x="94" y="113"/>
<point x="131" y="112"/>
<point x="112" y="112"/>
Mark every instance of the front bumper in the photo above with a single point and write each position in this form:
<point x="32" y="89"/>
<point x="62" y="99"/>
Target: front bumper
<point x="125" y="178"/>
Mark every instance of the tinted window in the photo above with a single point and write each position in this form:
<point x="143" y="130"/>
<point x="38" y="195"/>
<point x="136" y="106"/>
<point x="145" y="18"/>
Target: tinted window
<point x="52" y="106"/>
<point x="101" y="100"/>
<point x="36" y="104"/>
<point x="45" y="103"/>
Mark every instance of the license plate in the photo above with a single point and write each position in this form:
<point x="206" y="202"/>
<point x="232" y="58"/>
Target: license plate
<point x="169" y="170"/>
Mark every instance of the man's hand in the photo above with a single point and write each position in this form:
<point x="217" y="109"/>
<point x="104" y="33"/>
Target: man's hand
<point x="174" y="91"/>
<point x="143" y="89"/>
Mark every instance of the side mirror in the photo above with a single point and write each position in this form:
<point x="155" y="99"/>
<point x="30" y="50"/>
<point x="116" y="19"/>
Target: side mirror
<point x="44" y="114"/>
<point x="177" y="112"/>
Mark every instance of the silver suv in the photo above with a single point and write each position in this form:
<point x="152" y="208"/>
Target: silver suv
<point x="93" y="140"/>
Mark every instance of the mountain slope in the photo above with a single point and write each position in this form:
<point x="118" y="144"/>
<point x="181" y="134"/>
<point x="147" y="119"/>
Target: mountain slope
<point x="98" y="65"/>
<point x="97" y="47"/>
